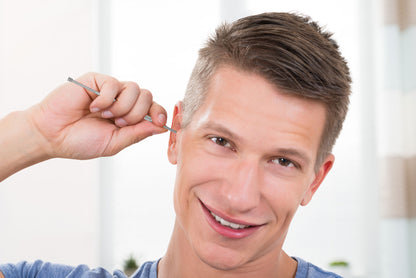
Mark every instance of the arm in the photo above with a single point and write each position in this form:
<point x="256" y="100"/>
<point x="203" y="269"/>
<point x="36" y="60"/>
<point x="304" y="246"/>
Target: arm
<point x="19" y="147"/>
<point x="72" y="122"/>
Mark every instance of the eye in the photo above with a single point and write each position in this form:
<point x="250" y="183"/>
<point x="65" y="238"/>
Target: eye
<point x="284" y="162"/>
<point x="221" y="142"/>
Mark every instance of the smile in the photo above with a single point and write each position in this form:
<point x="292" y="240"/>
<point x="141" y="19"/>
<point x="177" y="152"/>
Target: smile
<point x="227" y="223"/>
<point x="229" y="228"/>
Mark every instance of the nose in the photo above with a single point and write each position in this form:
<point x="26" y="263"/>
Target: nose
<point x="242" y="189"/>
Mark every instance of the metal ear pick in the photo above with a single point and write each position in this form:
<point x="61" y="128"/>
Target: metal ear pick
<point x="147" y="117"/>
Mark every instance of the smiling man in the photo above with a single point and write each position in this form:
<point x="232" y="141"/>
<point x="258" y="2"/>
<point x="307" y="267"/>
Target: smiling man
<point x="263" y="108"/>
<point x="241" y="174"/>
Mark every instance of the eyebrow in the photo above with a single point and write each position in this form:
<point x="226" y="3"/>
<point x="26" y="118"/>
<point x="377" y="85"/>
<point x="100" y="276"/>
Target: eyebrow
<point x="292" y="152"/>
<point x="222" y="129"/>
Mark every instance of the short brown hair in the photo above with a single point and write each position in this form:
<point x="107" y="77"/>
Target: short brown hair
<point x="291" y="52"/>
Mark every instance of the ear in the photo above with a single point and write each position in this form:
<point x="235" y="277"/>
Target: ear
<point x="319" y="177"/>
<point x="176" y="125"/>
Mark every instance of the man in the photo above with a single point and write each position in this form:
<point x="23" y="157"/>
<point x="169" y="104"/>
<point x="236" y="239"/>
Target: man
<point x="263" y="108"/>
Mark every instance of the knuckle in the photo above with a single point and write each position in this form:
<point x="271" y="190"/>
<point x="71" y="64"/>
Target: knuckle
<point x="88" y="74"/>
<point x="113" y="81"/>
<point x="132" y="85"/>
<point x="146" y="94"/>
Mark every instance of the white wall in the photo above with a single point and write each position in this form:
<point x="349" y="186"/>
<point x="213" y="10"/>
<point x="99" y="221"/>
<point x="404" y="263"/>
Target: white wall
<point x="49" y="211"/>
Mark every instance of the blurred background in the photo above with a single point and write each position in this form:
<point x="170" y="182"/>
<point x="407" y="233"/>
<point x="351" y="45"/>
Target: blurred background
<point x="99" y="212"/>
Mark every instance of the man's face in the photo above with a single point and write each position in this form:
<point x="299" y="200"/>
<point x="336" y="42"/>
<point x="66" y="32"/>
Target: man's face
<point x="244" y="165"/>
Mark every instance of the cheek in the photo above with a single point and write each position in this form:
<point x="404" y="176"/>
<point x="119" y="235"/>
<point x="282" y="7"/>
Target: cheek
<point x="195" y="172"/>
<point x="284" y="196"/>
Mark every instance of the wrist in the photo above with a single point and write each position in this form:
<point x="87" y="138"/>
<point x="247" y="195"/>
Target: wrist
<point x="20" y="144"/>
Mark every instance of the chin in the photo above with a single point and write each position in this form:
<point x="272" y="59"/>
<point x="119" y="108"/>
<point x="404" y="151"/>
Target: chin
<point x="222" y="264"/>
<point x="221" y="258"/>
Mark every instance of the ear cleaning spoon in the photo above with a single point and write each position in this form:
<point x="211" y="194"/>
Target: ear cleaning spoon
<point x="147" y="117"/>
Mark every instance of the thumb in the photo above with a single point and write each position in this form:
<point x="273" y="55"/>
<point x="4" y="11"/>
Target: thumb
<point x="128" y="135"/>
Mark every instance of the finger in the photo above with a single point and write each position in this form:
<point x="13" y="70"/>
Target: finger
<point x="139" y="110"/>
<point x="132" y="134"/>
<point x="94" y="81"/>
<point x="158" y="114"/>
<point x="109" y="88"/>
<point x="125" y="101"/>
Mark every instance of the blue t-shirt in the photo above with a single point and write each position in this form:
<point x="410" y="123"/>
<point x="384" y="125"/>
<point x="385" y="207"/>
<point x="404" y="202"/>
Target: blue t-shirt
<point x="39" y="269"/>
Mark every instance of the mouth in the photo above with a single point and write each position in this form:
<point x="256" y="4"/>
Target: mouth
<point x="226" y="223"/>
<point x="230" y="228"/>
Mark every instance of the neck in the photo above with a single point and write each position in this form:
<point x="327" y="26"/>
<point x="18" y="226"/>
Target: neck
<point x="181" y="260"/>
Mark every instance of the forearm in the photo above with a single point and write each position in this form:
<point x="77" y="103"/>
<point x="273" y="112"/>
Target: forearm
<point x="20" y="146"/>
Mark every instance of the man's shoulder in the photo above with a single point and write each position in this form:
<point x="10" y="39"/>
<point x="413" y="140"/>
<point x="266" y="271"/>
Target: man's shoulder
<point x="308" y="270"/>
<point x="304" y="270"/>
<point x="40" y="269"/>
<point x="147" y="270"/>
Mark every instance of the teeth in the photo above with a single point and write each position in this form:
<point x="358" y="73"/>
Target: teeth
<point x="228" y="224"/>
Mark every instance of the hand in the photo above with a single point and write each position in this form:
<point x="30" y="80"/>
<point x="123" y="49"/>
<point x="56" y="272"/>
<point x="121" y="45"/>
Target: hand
<point x="72" y="122"/>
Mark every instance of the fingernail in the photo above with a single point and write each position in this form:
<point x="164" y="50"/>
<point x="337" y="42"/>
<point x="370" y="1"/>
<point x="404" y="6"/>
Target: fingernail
<point x="120" y="122"/>
<point x="107" y="114"/>
<point x="162" y="118"/>
<point x="94" y="109"/>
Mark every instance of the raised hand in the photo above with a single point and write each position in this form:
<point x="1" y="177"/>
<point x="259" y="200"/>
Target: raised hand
<point x="72" y="122"/>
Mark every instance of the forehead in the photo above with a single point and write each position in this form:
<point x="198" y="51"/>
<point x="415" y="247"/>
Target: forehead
<point x="252" y="108"/>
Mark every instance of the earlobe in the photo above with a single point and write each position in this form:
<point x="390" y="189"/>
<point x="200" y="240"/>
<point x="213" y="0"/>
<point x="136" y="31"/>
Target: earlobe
<point x="176" y="125"/>
<point x="319" y="178"/>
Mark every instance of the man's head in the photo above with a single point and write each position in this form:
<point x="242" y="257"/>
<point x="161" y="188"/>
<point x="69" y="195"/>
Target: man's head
<point x="289" y="51"/>
<point x="249" y="133"/>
